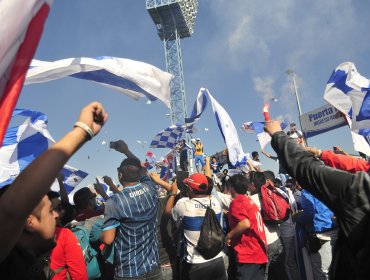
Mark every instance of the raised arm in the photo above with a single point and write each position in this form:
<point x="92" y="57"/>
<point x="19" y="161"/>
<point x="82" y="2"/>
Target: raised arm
<point x="34" y="182"/>
<point x="122" y="147"/>
<point x="339" y="190"/>
<point x="157" y="179"/>
<point x="62" y="189"/>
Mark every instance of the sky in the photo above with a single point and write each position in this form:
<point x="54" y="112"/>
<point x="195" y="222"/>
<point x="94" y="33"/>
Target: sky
<point x="240" y="51"/>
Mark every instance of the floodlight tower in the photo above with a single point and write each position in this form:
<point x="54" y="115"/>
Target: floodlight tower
<point x="174" y="20"/>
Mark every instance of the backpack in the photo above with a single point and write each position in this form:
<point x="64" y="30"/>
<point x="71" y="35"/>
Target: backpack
<point x="275" y="209"/>
<point x="89" y="253"/>
<point x="211" y="238"/>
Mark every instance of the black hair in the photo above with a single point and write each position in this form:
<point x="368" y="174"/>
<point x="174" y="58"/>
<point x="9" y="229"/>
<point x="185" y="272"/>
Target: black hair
<point x="52" y="194"/>
<point x="254" y="153"/>
<point x="131" y="170"/>
<point x="277" y="182"/>
<point x="291" y="181"/>
<point x="81" y="198"/>
<point x="269" y="175"/>
<point x="239" y="183"/>
<point x="259" y="179"/>
<point x="210" y="185"/>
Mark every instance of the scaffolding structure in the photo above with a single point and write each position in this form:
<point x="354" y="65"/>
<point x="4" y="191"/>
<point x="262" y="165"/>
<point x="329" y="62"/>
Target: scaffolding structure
<point x="174" y="20"/>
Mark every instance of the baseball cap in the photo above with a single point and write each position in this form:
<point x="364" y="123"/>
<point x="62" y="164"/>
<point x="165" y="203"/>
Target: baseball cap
<point x="197" y="181"/>
<point x="198" y="139"/>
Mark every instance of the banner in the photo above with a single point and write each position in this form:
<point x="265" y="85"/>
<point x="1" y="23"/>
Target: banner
<point x="321" y="120"/>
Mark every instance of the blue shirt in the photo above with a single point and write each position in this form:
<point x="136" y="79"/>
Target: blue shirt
<point x="316" y="215"/>
<point x="133" y="211"/>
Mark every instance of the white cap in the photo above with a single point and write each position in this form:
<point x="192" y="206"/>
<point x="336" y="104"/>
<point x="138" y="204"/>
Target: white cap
<point x="198" y="139"/>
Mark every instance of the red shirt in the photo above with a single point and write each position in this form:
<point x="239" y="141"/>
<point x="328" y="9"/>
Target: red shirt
<point x="343" y="162"/>
<point x="251" y="246"/>
<point x="68" y="253"/>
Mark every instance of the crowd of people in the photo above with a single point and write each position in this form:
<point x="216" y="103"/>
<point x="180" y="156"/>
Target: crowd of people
<point x="310" y="221"/>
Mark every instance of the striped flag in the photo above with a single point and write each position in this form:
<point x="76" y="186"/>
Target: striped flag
<point x="21" y="26"/>
<point x="133" y="78"/>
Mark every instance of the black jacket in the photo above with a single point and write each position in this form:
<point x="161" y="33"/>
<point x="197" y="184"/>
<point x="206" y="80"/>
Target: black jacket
<point x="346" y="194"/>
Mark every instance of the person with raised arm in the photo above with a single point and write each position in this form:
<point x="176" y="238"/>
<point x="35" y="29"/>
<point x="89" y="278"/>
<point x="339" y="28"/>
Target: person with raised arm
<point x="346" y="194"/>
<point x="26" y="215"/>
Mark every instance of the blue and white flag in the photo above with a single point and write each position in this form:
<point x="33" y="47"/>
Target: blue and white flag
<point x="229" y="133"/>
<point x="199" y="106"/>
<point x="22" y="144"/>
<point x="259" y="128"/>
<point x="168" y="137"/>
<point x="133" y="78"/>
<point x="349" y="92"/>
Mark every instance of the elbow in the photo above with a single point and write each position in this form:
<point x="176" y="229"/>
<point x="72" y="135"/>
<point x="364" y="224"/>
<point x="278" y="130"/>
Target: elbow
<point x="106" y="239"/>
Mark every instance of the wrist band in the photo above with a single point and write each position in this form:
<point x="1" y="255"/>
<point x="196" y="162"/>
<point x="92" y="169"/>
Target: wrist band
<point x="85" y="128"/>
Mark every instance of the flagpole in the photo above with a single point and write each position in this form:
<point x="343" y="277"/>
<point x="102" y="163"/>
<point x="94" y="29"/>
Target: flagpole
<point x="292" y="74"/>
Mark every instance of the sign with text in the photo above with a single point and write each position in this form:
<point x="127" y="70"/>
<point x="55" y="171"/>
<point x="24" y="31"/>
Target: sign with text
<point x="321" y="120"/>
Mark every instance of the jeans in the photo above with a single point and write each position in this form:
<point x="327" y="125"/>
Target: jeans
<point x="250" y="271"/>
<point x="275" y="266"/>
<point x="291" y="264"/>
<point x="321" y="260"/>
<point x="211" y="270"/>
<point x="155" y="274"/>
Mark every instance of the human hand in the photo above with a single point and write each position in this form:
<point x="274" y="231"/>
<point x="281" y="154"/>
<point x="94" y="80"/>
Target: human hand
<point x="108" y="180"/>
<point x="155" y="177"/>
<point x="272" y="126"/>
<point x="121" y="146"/>
<point x="94" y="116"/>
<point x="174" y="188"/>
<point x="314" y="151"/>
<point x="228" y="240"/>
<point x="99" y="188"/>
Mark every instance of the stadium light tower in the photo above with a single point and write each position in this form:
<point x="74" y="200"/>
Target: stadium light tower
<point x="174" y="20"/>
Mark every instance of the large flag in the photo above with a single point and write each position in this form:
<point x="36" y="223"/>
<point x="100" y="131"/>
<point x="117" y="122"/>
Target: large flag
<point x="22" y="144"/>
<point x="133" y="78"/>
<point x="21" y="25"/>
<point x="168" y="137"/>
<point x="349" y="92"/>
<point x="259" y="128"/>
<point x="229" y="133"/>
<point x="199" y="106"/>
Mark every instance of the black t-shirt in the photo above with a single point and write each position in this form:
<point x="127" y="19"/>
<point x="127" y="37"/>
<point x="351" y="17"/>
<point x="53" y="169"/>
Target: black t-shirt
<point x="166" y="248"/>
<point x="20" y="264"/>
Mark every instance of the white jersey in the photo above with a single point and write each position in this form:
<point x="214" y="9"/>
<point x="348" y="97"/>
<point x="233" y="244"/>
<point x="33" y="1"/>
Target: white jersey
<point x="191" y="213"/>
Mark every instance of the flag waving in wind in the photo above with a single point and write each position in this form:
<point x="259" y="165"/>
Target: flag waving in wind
<point x="21" y="26"/>
<point x="134" y="78"/>
<point x="349" y="92"/>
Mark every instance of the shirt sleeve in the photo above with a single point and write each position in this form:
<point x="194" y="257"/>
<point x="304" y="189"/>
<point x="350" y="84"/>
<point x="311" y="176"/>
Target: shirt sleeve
<point x="111" y="215"/>
<point x="75" y="261"/>
<point x="344" y="162"/>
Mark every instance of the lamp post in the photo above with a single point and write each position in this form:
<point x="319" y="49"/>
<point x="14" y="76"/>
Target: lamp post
<point x="292" y="74"/>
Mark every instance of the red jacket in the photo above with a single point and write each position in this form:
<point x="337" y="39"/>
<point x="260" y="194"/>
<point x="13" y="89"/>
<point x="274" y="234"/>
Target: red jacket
<point x="343" y="162"/>
<point x="68" y="253"/>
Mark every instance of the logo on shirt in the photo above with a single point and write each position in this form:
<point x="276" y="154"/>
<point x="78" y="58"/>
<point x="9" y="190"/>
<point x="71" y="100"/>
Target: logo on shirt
<point x="139" y="192"/>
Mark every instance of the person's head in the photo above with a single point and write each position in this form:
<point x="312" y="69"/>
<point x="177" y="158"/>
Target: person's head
<point x="258" y="179"/>
<point x="38" y="235"/>
<point x="225" y="172"/>
<point x="293" y="127"/>
<point x="238" y="185"/>
<point x="84" y="199"/>
<point x="198" y="140"/>
<point x="57" y="205"/>
<point x="197" y="185"/>
<point x="182" y="142"/>
<point x="277" y="183"/>
<point x="270" y="177"/>
<point x="129" y="171"/>
<point x="214" y="160"/>
<point x="291" y="184"/>
<point x="255" y="155"/>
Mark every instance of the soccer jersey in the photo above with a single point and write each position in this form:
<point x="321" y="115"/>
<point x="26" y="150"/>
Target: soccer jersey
<point x="191" y="214"/>
<point x="251" y="246"/>
<point x="198" y="149"/>
<point x="133" y="211"/>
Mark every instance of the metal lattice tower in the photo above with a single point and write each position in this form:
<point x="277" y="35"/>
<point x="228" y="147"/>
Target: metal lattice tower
<point x="174" y="20"/>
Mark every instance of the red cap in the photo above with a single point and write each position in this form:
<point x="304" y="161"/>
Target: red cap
<point x="197" y="181"/>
